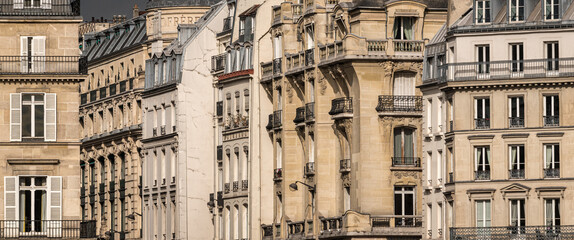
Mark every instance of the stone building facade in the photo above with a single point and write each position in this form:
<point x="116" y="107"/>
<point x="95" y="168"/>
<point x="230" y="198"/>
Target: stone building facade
<point x="40" y="146"/>
<point x="178" y="105"/>
<point x="505" y="98"/>
<point x="346" y="123"/>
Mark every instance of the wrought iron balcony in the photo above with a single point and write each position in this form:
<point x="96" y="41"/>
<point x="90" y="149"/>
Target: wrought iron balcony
<point x="41" y="65"/>
<point x="88" y="229"/>
<point x="277" y="120"/>
<point x="513" y="232"/>
<point x="299" y="115"/>
<point x="244" y="184"/>
<point x="341" y="105"/>
<point x="551" y="121"/>
<point x="516" y="122"/>
<point x="278" y="174"/>
<point x="310" y="111"/>
<point x="44" y="229"/>
<point x="516" y="174"/>
<point x="226" y="188"/>
<point x="218" y="62"/>
<point x="236" y="186"/>
<point x="482" y="123"/>
<point x="552" y="173"/>
<point x="309" y="57"/>
<point x="310" y="168"/>
<point x="333" y="224"/>
<point x="35" y="8"/>
<point x="406" y="162"/>
<point x="219" y="109"/>
<point x="345" y="165"/>
<point x="482" y="175"/>
<point x="394" y="103"/>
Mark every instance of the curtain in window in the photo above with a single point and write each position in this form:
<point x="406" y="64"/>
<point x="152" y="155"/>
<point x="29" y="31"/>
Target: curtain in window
<point x="409" y="145"/>
<point x="548" y="156"/>
<point x="397" y="143"/>
<point x="549" y="209"/>
<point x="479" y="214"/>
<point x="404" y="84"/>
<point x="487" y="216"/>
<point x="514" y="213"/>
<point x="487" y="160"/>
<point x="479" y="159"/>
<point x="408" y="28"/>
<point x="513" y="157"/>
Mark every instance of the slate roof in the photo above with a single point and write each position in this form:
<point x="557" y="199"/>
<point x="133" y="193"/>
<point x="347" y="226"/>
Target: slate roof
<point x="179" y="3"/>
<point x="432" y="4"/>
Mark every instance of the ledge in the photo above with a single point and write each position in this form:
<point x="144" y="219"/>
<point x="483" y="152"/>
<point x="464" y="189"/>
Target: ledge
<point x="515" y="135"/>
<point x="33" y="161"/>
<point x="550" y="134"/>
<point x="477" y="137"/>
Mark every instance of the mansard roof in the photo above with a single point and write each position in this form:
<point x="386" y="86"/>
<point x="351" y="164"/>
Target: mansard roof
<point x="431" y="4"/>
<point x="179" y="3"/>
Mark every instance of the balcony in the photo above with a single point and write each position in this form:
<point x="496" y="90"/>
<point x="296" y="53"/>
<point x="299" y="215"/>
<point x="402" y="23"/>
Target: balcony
<point x="400" y="104"/>
<point x="44" y="229"/>
<point x="299" y="115"/>
<point x="226" y="188"/>
<point x="277" y="120"/>
<point x="552" y="173"/>
<point x="235" y="186"/>
<point x="40" y="65"/>
<point x="53" y="8"/>
<point x="406" y="162"/>
<point x="551" y="121"/>
<point x="331" y="225"/>
<point x="482" y="123"/>
<point x="310" y="111"/>
<point x="342" y="106"/>
<point x="236" y="121"/>
<point x="513" y="232"/>
<point x="345" y="165"/>
<point x="267" y="231"/>
<point x="278" y="174"/>
<point x="482" y="175"/>
<point x="353" y="47"/>
<point x="397" y="221"/>
<point x="218" y="62"/>
<point x="244" y="185"/>
<point x="516" y="174"/>
<point x="309" y="169"/>
<point x="296" y="228"/>
<point x="226" y="27"/>
<point x="219" y="109"/>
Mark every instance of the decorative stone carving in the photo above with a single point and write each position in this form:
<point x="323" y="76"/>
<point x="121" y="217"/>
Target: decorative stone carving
<point x="322" y="84"/>
<point x="289" y="91"/>
<point x="346" y="177"/>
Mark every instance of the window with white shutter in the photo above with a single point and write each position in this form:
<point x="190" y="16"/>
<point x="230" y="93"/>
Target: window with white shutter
<point x="46" y="4"/>
<point x="55" y="206"/>
<point x="33" y="116"/>
<point x="11" y="206"/>
<point x="15" y="117"/>
<point x="32" y="54"/>
<point x="18" y="4"/>
<point x="50" y="118"/>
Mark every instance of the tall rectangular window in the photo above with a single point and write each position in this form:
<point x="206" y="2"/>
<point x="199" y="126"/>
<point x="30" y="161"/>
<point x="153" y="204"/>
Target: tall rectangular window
<point x="483" y="213"/>
<point x="551" y="110"/>
<point x="552" y="212"/>
<point x="516" y="10"/>
<point x="482" y="163"/>
<point x="483" y="58"/>
<point x="552" y="56"/>
<point x="551" y="160"/>
<point x="482" y="113"/>
<point x="516" y="112"/>
<point x="403" y="28"/>
<point x="404" y="205"/>
<point x="404" y="144"/>
<point x="517" y="213"/>
<point x="516" y="157"/>
<point x="551" y="9"/>
<point x="33" y="116"/>
<point x="517" y="56"/>
<point x="482" y="11"/>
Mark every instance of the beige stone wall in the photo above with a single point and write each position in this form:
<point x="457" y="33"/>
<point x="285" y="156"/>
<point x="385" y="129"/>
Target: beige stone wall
<point x="61" y="36"/>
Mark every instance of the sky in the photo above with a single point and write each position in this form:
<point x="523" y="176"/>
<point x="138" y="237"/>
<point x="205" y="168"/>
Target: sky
<point x="108" y="8"/>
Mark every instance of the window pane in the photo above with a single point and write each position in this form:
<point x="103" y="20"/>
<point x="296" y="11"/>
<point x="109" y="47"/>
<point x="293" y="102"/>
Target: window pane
<point x="26" y="120"/>
<point x="39" y="121"/>
<point x="409" y="204"/>
<point x="398" y="203"/>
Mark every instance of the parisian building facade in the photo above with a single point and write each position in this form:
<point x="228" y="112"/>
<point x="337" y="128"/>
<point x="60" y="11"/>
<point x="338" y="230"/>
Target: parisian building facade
<point x="498" y="79"/>
<point x="40" y="72"/>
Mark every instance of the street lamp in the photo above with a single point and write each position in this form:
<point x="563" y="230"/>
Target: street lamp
<point x="133" y="216"/>
<point x="293" y="186"/>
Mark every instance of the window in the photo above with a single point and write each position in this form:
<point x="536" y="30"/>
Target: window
<point x="517" y="213"/>
<point x="347" y="198"/>
<point x="483" y="213"/>
<point x="33" y="116"/>
<point x="516" y="11"/>
<point x="551" y="9"/>
<point x="516" y="156"/>
<point x="403" y="28"/>
<point x="552" y="56"/>
<point x="483" y="58"/>
<point x="482" y="113"/>
<point x="482" y="163"/>
<point x="32" y="199"/>
<point x="44" y="4"/>
<point x="429" y="115"/>
<point x="552" y="212"/>
<point x="517" y="56"/>
<point x="516" y="112"/>
<point x="551" y="160"/>
<point x="33" y="51"/>
<point x="551" y="110"/>
<point x="404" y="147"/>
<point x="277" y="47"/>
<point x="482" y="11"/>
<point x="404" y="205"/>
<point x="310" y="37"/>
<point x="404" y="84"/>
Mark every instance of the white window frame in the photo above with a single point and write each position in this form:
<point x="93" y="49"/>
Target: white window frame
<point x="484" y="114"/>
<point x="552" y="55"/>
<point x="517" y="58"/>
<point x="518" y="8"/>
<point x="483" y="60"/>
<point x="553" y="161"/>
<point x="485" y="150"/>
<point x="514" y="101"/>
<point x="518" y="202"/>
<point x="551" y="220"/>
<point x="481" y="217"/>
<point x="481" y="7"/>
<point x="553" y="4"/>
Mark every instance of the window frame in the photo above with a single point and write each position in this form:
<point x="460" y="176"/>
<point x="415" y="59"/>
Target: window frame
<point x="483" y="58"/>
<point x="554" y="16"/>
<point x="484" y="102"/>
<point x="516" y="51"/>
<point x="520" y="11"/>
<point x="521" y="214"/>
<point x="484" y="213"/>
<point x="486" y="14"/>
<point x="516" y="106"/>
<point x="555" y="221"/>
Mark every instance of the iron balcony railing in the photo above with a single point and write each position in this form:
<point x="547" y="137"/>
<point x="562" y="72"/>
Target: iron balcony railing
<point x="88" y="229"/>
<point x="513" y="232"/>
<point x="267" y="231"/>
<point x="218" y="62"/>
<point x="53" y="229"/>
<point x="49" y="65"/>
<point x="395" y="103"/>
<point x="551" y="121"/>
<point x="482" y="175"/>
<point x="310" y="111"/>
<point x="345" y="165"/>
<point x="341" y="105"/>
<point x="277" y="120"/>
<point x="299" y="115"/>
<point x="516" y="173"/>
<point x="406" y="161"/>
<point x="278" y="174"/>
<point x="219" y="109"/>
<point x="37" y="8"/>
<point x="396" y="221"/>
<point x="516" y="122"/>
<point x="552" y="173"/>
<point x="482" y="123"/>
<point x="310" y="168"/>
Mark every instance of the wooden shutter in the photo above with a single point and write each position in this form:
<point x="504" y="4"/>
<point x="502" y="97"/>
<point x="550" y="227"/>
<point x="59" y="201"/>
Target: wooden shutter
<point x="39" y="53"/>
<point x="46" y="4"/>
<point x="15" y="117"/>
<point x="54" y="206"/>
<point x="11" y="206"/>
<point x="50" y="118"/>
<point x="23" y="54"/>
<point x="18" y="4"/>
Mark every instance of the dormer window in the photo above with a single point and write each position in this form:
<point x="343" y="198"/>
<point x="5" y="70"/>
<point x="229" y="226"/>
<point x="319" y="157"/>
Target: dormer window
<point x="516" y="11"/>
<point x="482" y="13"/>
<point x="403" y="29"/>
<point x="551" y="9"/>
<point x="44" y="4"/>
<point x="32" y="3"/>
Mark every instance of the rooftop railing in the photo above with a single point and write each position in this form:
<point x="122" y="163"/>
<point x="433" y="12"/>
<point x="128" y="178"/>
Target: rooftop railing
<point x="48" y="65"/>
<point x="53" y="229"/>
<point x="37" y="8"/>
<point x="513" y="232"/>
